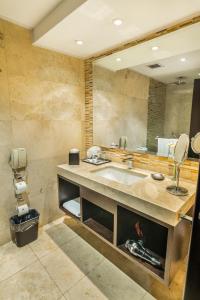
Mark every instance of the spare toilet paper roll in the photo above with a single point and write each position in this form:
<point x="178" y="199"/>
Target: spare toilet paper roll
<point x="20" y="187"/>
<point x="22" y="209"/>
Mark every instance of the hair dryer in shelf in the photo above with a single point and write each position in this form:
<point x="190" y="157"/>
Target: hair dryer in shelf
<point x="137" y="249"/>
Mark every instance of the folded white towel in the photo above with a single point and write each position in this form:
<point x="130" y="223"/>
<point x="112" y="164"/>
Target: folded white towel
<point x="73" y="206"/>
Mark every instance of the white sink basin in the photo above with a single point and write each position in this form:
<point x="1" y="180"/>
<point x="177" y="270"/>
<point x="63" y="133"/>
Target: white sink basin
<point x="120" y="175"/>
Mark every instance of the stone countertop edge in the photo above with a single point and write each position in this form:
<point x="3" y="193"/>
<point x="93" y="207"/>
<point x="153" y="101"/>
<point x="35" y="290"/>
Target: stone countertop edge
<point x="146" y="196"/>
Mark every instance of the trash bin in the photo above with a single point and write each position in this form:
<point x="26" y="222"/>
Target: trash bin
<point x="24" y="229"/>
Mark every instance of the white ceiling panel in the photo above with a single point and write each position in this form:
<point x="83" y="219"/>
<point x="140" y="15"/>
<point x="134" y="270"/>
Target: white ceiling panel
<point x="175" y="43"/>
<point x="27" y="13"/>
<point x="92" y="22"/>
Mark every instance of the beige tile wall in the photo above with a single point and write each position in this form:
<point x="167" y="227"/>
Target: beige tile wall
<point x="178" y="109"/>
<point x="120" y="106"/>
<point x="41" y="109"/>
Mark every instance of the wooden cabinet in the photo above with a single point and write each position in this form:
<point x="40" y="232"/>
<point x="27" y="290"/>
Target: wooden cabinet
<point x="116" y="223"/>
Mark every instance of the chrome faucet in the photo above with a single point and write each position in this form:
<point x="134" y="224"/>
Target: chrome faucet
<point x="129" y="160"/>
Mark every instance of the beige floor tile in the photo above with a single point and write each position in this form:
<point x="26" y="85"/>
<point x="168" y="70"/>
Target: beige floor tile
<point x="148" y="297"/>
<point x="85" y="290"/>
<point x="114" y="284"/>
<point x="58" y="221"/>
<point x="43" y="245"/>
<point x="61" y="234"/>
<point x="13" y="259"/>
<point x="32" y="283"/>
<point x="82" y="254"/>
<point x="62" y="270"/>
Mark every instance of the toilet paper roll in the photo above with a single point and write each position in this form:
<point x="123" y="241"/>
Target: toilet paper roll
<point x="22" y="209"/>
<point x="20" y="187"/>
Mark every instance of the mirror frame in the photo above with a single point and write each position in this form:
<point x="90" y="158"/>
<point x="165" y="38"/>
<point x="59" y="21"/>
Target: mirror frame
<point x="89" y="71"/>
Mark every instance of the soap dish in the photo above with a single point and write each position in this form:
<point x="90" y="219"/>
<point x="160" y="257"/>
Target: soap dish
<point x="96" y="162"/>
<point x="158" y="176"/>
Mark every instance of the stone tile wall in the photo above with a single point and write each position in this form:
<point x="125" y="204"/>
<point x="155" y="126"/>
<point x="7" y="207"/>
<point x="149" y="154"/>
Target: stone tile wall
<point x="41" y="109"/>
<point x="156" y="113"/>
<point x="120" y="104"/>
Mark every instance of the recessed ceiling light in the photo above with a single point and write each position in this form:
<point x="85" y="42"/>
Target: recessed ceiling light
<point x="79" y="42"/>
<point x="199" y="74"/>
<point x="182" y="59"/>
<point x="117" y="22"/>
<point x="154" y="48"/>
<point x="118" y="59"/>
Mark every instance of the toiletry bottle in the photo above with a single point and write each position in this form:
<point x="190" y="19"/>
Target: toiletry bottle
<point x="74" y="157"/>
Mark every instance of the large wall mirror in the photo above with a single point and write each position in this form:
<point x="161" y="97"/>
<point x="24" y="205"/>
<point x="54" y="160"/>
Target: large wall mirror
<point x="143" y="96"/>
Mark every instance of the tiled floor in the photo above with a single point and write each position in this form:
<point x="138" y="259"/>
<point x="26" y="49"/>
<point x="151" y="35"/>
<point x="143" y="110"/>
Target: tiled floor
<point x="60" y="265"/>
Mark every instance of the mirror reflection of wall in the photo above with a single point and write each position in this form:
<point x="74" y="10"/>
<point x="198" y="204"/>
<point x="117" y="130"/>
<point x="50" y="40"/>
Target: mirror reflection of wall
<point x="120" y="107"/>
<point x="146" y="94"/>
<point x="169" y="111"/>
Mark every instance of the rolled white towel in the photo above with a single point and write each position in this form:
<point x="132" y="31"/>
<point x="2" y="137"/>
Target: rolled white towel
<point x="73" y="206"/>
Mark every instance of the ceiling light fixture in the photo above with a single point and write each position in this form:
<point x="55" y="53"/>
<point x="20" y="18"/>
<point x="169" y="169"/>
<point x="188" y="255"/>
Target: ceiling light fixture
<point x="79" y="42"/>
<point x="199" y="74"/>
<point x="182" y="59"/>
<point x="154" y="48"/>
<point x="118" y="59"/>
<point x="117" y="22"/>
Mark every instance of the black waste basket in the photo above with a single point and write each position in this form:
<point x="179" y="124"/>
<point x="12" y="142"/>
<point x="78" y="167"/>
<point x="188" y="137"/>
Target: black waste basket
<point x="24" y="229"/>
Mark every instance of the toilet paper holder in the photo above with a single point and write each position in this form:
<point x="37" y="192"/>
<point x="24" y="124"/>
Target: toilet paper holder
<point x="18" y="162"/>
<point x="22" y="209"/>
<point x="20" y="187"/>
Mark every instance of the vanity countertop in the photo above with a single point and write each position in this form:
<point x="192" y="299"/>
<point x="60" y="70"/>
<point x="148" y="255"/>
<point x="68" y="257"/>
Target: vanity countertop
<point x="146" y="196"/>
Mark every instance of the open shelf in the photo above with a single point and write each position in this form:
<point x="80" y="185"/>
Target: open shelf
<point x="132" y="226"/>
<point x="98" y="219"/>
<point x="100" y="229"/>
<point x="68" y="191"/>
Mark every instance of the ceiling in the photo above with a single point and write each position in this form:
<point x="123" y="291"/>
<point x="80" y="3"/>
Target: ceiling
<point x="173" y="67"/>
<point x="56" y="26"/>
<point x="26" y="13"/>
<point x="184" y="43"/>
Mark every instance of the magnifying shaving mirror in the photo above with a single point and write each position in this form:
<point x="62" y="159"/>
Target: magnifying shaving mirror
<point x="195" y="143"/>
<point x="180" y="155"/>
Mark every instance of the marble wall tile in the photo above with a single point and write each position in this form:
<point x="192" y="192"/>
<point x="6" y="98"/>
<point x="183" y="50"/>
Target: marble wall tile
<point x="55" y="67"/>
<point x="4" y="94"/>
<point x="41" y="173"/>
<point x="26" y="98"/>
<point x="51" y="201"/>
<point x="178" y="110"/>
<point x="51" y="138"/>
<point x="41" y="109"/>
<point x="62" y="101"/>
<point x="42" y="182"/>
<point x="126" y="82"/>
<point x="19" y="50"/>
<point x="7" y="204"/>
<point x="120" y="107"/>
<point x="5" y="133"/>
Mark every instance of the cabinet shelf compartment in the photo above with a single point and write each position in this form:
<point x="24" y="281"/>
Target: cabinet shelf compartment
<point x="69" y="193"/>
<point x="98" y="219"/>
<point x="132" y="226"/>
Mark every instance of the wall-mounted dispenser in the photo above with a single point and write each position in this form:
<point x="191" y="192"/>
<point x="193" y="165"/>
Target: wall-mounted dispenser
<point x="18" y="158"/>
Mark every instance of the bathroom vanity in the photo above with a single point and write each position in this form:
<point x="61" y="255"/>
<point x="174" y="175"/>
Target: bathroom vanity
<point x="115" y="200"/>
